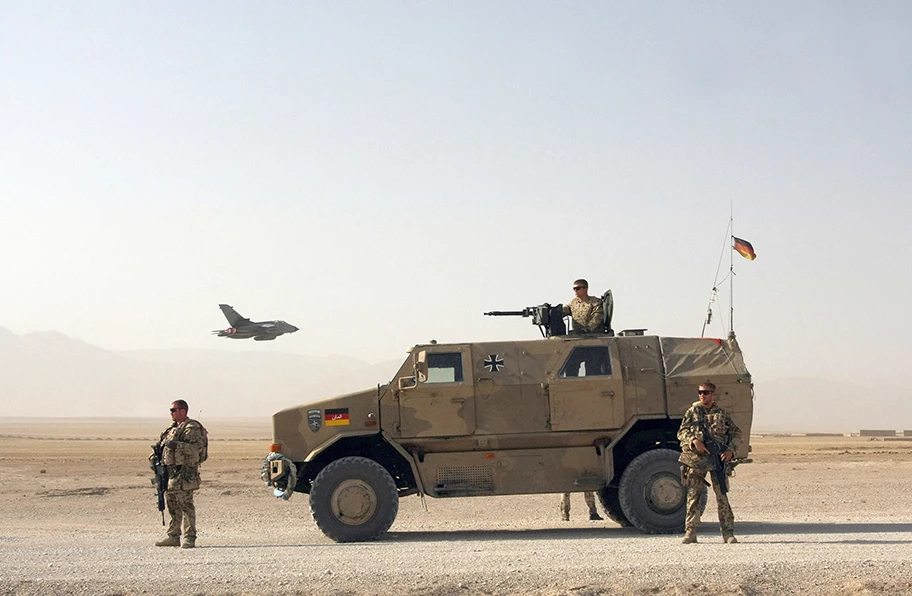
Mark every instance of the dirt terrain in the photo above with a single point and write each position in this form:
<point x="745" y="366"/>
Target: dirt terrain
<point x="815" y="515"/>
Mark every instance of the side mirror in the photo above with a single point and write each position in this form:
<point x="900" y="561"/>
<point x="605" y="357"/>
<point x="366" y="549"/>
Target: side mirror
<point x="421" y="367"/>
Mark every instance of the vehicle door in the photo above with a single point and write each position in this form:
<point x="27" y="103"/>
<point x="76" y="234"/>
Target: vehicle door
<point x="438" y="401"/>
<point x="644" y="388"/>
<point x="587" y="391"/>
<point x="509" y="397"/>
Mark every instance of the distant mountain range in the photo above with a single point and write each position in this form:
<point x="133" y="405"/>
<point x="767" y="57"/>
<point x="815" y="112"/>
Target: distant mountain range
<point x="50" y="374"/>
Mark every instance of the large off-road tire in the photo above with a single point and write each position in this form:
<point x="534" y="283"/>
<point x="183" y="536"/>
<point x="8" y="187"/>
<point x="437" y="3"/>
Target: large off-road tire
<point x="651" y="494"/>
<point x="354" y="499"/>
<point x="610" y="499"/>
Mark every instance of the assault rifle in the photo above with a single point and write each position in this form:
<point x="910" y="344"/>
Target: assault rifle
<point x="550" y="319"/>
<point x="161" y="477"/>
<point x="716" y="449"/>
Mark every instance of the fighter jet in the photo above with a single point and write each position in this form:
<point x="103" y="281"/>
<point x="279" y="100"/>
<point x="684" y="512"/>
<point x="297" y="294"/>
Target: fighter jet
<point x="242" y="328"/>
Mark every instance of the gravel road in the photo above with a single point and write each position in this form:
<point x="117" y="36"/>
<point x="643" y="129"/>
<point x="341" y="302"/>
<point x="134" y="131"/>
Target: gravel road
<point x="78" y="517"/>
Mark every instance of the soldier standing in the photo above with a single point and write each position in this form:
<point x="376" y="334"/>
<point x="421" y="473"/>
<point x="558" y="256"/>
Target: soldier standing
<point x="696" y="462"/>
<point x="590" y="502"/>
<point x="585" y="310"/>
<point x="184" y="447"/>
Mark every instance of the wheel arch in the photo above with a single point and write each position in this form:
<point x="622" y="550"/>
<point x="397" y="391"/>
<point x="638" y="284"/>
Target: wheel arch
<point x="642" y="436"/>
<point x="375" y="447"/>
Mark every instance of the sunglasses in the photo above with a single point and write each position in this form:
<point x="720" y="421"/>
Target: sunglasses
<point x="174" y="410"/>
<point x="701" y="392"/>
<point x="578" y="288"/>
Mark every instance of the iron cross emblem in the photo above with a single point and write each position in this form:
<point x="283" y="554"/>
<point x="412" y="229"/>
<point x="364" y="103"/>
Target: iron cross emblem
<point x="494" y="362"/>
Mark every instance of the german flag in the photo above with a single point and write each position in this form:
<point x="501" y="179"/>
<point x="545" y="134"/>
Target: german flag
<point x="336" y="417"/>
<point x="744" y="248"/>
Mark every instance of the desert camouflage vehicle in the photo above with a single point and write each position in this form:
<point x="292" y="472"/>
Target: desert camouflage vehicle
<point x="561" y="414"/>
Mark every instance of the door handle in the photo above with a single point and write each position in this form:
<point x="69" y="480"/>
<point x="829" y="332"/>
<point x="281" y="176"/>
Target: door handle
<point x="607" y="394"/>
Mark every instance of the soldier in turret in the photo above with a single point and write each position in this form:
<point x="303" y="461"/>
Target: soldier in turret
<point x="585" y="310"/>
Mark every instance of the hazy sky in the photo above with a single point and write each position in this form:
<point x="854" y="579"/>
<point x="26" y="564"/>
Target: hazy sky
<point x="381" y="173"/>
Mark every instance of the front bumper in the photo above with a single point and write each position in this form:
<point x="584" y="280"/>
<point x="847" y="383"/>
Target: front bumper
<point x="280" y="473"/>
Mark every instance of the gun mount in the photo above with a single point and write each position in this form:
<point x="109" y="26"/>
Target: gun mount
<point x="550" y="319"/>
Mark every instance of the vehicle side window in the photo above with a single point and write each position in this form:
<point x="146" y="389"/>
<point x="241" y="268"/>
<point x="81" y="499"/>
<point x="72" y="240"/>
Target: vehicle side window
<point x="444" y="368"/>
<point x="587" y="361"/>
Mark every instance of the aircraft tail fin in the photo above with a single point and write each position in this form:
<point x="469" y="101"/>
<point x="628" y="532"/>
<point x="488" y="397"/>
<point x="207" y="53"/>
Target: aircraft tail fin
<point x="234" y="319"/>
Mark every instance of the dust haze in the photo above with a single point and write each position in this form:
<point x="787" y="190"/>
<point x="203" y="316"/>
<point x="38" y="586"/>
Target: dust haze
<point x="50" y="374"/>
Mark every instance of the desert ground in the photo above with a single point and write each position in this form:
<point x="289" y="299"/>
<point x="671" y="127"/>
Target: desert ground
<point x="815" y="515"/>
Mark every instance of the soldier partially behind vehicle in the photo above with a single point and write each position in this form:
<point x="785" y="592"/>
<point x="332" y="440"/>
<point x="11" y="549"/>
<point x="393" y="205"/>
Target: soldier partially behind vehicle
<point x="590" y="503"/>
<point x="709" y="438"/>
<point x="181" y="449"/>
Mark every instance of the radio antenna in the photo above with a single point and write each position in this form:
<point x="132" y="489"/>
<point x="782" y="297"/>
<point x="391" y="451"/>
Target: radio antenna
<point x="726" y="243"/>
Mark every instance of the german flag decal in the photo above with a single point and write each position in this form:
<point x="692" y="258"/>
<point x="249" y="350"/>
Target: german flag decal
<point x="336" y="417"/>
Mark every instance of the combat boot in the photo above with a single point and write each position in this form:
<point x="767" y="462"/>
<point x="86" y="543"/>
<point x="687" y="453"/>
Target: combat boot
<point x="565" y="516"/>
<point x="690" y="536"/>
<point x="729" y="538"/>
<point x="595" y="517"/>
<point x="189" y="543"/>
<point x="169" y="541"/>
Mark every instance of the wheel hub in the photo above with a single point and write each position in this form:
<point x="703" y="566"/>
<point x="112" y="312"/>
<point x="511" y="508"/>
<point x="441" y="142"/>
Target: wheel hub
<point x="353" y="502"/>
<point x="664" y="493"/>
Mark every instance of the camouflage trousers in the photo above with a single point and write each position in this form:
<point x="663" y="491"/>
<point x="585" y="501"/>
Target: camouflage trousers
<point x="565" y="503"/>
<point x="695" y="481"/>
<point x="183" y="513"/>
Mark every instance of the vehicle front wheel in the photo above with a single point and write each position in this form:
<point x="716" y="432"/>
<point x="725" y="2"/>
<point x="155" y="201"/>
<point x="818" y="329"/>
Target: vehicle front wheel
<point x="651" y="494"/>
<point x="354" y="499"/>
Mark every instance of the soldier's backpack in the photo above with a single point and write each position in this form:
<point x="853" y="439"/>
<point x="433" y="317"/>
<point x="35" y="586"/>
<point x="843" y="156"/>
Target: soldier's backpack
<point x="204" y="452"/>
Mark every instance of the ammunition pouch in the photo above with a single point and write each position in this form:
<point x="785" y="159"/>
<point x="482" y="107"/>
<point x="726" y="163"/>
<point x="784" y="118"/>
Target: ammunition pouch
<point x="168" y="456"/>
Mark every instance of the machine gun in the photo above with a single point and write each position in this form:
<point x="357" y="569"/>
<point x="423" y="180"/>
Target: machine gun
<point x="550" y="319"/>
<point x="161" y="477"/>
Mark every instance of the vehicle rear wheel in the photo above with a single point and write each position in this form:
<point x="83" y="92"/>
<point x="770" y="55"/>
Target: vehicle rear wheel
<point x="651" y="494"/>
<point x="354" y="499"/>
<point x="611" y="501"/>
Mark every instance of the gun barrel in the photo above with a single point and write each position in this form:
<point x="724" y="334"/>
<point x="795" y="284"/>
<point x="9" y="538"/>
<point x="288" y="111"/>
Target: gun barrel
<point x="507" y="313"/>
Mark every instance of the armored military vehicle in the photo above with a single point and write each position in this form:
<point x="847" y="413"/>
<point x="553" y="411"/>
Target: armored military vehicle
<point x="565" y="413"/>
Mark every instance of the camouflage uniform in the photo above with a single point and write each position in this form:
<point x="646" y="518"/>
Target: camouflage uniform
<point x="587" y="316"/>
<point x="565" y="505"/>
<point x="695" y="464"/>
<point x="183" y="460"/>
